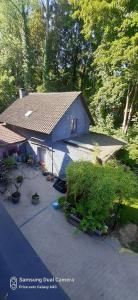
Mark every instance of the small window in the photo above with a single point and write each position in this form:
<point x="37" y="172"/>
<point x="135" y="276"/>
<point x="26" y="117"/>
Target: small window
<point x="74" y="123"/>
<point x="28" y="113"/>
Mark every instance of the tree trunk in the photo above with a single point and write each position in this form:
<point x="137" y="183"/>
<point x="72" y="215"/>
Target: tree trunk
<point x="26" y="51"/>
<point x="74" y="69"/>
<point x="46" y="46"/>
<point x="25" y="43"/>
<point x="82" y="78"/>
<point x="125" y="113"/>
<point x="126" y="110"/>
<point x="131" y="110"/>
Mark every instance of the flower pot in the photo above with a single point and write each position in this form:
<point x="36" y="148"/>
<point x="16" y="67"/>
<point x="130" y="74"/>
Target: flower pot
<point x="50" y="177"/>
<point x="35" y="199"/>
<point x="45" y="173"/>
<point x="74" y="220"/>
<point x="16" y="197"/>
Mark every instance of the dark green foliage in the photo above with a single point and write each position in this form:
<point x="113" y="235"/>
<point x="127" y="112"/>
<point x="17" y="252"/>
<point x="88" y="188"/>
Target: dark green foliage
<point x="61" y="201"/>
<point x="112" y="26"/>
<point x="134" y="246"/>
<point x="48" y="50"/>
<point x="19" y="179"/>
<point x="94" y="189"/>
<point x="88" y="45"/>
<point x="129" y="214"/>
<point x="8" y="90"/>
<point x="9" y="162"/>
<point x="123" y="156"/>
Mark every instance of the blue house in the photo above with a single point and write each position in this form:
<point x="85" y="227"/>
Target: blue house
<point x="56" y="127"/>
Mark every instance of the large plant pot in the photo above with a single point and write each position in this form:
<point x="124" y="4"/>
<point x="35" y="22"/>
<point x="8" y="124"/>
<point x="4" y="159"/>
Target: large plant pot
<point x="45" y="173"/>
<point x="50" y="177"/>
<point x="16" y="197"/>
<point x="75" y="221"/>
<point x="35" y="199"/>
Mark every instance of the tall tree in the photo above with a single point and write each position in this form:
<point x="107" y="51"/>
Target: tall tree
<point x="67" y="52"/>
<point x="19" y="12"/>
<point x="46" y="17"/>
<point x="113" y="25"/>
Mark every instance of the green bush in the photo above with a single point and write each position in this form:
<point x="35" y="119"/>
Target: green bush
<point x="124" y="156"/>
<point x="19" y="179"/>
<point x="61" y="201"/>
<point x="9" y="162"/>
<point x="129" y="214"/>
<point x="134" y="246"/>
<point x="94" y="189"/>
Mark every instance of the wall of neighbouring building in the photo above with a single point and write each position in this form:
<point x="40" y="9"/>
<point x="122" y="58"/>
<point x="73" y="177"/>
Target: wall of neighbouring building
<point x="2" y="151"/>
<point x="5" y="150"/>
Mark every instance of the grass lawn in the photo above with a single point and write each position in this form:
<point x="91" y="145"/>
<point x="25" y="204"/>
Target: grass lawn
<point x="129" y="213"/>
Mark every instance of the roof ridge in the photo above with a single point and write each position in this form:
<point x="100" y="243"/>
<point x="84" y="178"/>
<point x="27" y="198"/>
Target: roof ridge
<point x="53" y="93"/>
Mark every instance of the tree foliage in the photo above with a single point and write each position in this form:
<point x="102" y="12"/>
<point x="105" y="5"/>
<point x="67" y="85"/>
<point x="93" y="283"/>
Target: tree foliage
<point x="112" y="26"/>
<point x="93" y="190"/>
<point x="88" y="45"/>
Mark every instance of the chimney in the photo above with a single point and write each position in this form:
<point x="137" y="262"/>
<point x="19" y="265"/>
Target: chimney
<point x="22" y="93"/>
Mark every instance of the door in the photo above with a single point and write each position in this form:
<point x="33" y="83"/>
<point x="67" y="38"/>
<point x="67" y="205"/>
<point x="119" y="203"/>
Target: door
<point x="41" y="154"/>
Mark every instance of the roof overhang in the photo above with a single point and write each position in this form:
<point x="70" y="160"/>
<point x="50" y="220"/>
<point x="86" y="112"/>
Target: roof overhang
<point x="9" y="137"/>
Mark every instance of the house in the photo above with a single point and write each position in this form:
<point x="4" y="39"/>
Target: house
<point x="56" y="126"/>
<point x="9" y="141"/>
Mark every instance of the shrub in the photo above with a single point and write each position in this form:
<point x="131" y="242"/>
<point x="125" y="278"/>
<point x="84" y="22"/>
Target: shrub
<point x="61" y="201"/>
<point x="94" y="189"/>
<point x="19" y="179"/>
<point x="10" y="162"/>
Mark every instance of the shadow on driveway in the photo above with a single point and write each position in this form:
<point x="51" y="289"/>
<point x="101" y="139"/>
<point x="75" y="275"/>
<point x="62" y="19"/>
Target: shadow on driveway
<point x="18" y="259"/>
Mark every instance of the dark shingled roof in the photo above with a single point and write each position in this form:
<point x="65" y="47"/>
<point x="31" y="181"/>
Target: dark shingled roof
<point x="9" y="137"/>
<point x="47" y="109"/>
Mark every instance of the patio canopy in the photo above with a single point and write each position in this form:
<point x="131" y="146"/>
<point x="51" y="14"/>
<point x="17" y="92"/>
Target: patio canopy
<point x="8" y="137"/>
<point x="106" y="145"/>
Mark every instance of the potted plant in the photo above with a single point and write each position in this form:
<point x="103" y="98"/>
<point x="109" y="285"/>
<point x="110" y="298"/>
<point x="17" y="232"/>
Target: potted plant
<point x="10" y="162"/>
<point x="35" y="199"/>
<point x="36" y="165"/>
<point x="15" y="197"/>
<point x="92" y="193"/>
<point x="19" y="179"/>
<point x="50" y="177"/>
<point x="45" y="173"/>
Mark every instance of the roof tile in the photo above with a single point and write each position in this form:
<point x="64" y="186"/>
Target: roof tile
<point x="47" y="109"/>
<point x="7" y="136"/>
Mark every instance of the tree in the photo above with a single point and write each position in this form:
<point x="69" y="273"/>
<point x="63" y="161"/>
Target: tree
<point x="93" y="190"/>
<point x="48" y="51"/>
<point x="16" y="15"/>
<point x="112" y="26"/>
<point x="37" y="36"/>
<point x="8" y="91"/>
<point x="46" y="17"/>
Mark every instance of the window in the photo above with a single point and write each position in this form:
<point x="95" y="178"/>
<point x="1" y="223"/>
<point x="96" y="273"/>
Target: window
<point x="74" y="123"/>
<point x="28" y="113"/>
